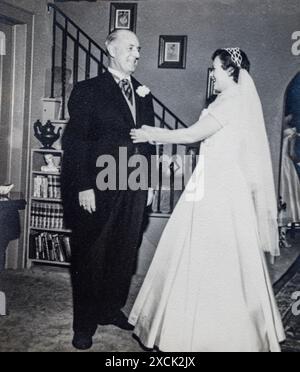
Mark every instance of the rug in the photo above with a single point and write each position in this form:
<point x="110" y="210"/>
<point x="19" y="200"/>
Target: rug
<point x="40" y="314"/>
<point x="288" y="298"/>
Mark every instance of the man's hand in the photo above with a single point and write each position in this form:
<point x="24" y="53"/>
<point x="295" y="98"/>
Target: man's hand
<point x="87" y="200"/>
<point x="150" y="197"/>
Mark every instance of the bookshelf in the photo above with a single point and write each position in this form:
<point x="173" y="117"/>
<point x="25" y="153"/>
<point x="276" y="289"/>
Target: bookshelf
<point x="48" y="238"/>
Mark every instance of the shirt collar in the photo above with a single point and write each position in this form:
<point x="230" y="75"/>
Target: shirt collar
<point x="118" y="75"/>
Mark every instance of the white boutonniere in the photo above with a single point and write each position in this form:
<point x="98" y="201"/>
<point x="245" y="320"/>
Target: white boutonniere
<point x="143" y="91"/>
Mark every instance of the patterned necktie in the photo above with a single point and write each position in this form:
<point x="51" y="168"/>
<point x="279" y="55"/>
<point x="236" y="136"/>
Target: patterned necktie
<point x="126" y="88"/>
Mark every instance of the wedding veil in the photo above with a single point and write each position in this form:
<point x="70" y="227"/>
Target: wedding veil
<point x="258" y="165"/>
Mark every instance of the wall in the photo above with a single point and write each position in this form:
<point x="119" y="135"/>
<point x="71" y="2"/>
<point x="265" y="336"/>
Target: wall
<point x="264" y="33"/>
<point x="41" y="50"/>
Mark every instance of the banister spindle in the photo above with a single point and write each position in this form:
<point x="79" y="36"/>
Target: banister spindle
<point x="160" y="166"/>
<point x="172" y="178"/>
<point x="64" y="69"/>
<point x="88" y="62"/>
<point x="160" y="176"/>
<point x="100" y="65"/>
<point x="172" y="173"/>
<point x="53" y="55"/>
<point x="76" y="57"/>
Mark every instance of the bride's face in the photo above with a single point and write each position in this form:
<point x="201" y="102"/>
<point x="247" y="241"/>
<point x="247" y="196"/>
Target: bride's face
<point x="221" y="76"/>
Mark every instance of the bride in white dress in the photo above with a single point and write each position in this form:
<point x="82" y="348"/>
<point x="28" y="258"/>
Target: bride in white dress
<point x="208" y="288"/>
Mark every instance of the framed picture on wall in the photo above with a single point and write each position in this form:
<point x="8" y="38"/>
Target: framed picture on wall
<point x="123" y="16"/>
<point x="211" y="93"/>
<point x="172" y="51"/>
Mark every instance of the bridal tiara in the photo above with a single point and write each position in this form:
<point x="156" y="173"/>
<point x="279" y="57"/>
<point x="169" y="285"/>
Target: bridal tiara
<point x="236" y="56"/>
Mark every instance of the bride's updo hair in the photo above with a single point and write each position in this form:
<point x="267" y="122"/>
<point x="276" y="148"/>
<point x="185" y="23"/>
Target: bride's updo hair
<point x="227" y="62"/>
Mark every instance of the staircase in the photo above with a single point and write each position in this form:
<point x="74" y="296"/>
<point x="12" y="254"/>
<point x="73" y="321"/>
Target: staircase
<point x="76" y="57"/>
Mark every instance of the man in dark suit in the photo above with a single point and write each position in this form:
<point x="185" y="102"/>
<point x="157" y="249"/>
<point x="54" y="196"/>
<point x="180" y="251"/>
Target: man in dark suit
<point x="107" y="224"/>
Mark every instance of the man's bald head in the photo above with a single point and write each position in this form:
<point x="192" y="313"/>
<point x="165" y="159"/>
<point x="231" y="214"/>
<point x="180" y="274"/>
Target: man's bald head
<point x="123" y="48"/>
<point x="118" y="35"/>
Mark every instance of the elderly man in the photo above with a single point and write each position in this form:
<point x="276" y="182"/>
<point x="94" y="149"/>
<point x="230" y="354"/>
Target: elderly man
<point x="107" y="224"/>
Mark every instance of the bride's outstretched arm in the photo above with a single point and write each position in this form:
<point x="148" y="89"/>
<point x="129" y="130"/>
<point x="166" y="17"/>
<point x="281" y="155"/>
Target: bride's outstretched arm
<point x="204" y="128"/>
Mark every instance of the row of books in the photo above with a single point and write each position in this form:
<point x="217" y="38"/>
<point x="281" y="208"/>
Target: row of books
<point x="47" y="187"/>
<point x="50" y="247"/>
<point x="47" y="215"/>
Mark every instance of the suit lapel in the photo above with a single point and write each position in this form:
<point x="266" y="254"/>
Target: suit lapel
<point x="138" y="104"/>
<point x="118" y="99"/>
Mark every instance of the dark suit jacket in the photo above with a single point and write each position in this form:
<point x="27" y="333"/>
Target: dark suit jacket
<point x="100" y="123"/>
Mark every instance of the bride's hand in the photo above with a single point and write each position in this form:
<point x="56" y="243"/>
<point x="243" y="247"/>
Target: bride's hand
<point x="140" y="135"/>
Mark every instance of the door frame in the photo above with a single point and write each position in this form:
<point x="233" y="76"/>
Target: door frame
<point x="22" y="22"/>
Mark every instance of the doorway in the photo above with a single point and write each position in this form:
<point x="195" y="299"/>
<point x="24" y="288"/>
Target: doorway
<point x="15" y="93"/>
<point x="6" y="69"/>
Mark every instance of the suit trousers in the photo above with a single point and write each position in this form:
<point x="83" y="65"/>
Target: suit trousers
<point x="104" y="253"/>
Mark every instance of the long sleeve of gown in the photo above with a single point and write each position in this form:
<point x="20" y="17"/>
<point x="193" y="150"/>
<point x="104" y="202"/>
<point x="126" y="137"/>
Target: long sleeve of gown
<point x="204" y="128"/>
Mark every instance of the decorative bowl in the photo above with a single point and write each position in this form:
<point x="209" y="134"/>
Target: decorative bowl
<point x="5" y="190"/>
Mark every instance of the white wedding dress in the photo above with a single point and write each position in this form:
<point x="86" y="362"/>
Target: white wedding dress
<point x="208" y="288"/>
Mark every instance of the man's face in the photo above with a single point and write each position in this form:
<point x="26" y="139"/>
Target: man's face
<point x="125" y="51"/>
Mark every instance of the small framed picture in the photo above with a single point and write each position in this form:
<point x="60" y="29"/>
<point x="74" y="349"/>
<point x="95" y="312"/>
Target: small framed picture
<point x="172" y="51"/>
<point x="211" y="93"/>
<point x="123" y="16"/>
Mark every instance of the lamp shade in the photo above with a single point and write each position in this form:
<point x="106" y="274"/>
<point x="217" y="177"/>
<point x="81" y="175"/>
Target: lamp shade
<point x="2" y="44"/>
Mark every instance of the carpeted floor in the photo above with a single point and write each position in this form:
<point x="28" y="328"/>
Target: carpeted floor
<point x="40" y="313"/>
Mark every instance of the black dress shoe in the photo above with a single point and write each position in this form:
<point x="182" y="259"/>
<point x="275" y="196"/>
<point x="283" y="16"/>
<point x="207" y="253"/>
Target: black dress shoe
<point x="119" y="320"/>
<point x="82" y="341"/>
